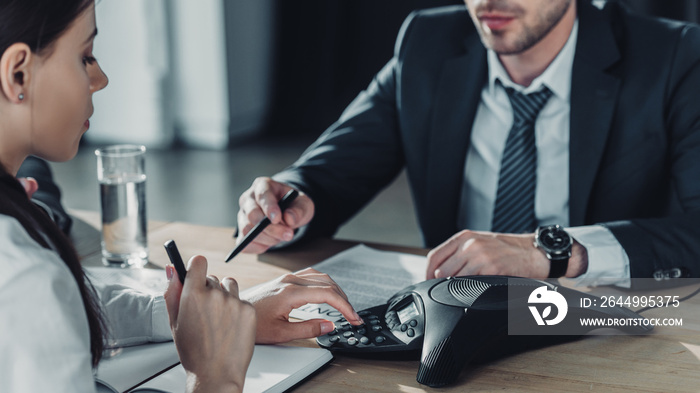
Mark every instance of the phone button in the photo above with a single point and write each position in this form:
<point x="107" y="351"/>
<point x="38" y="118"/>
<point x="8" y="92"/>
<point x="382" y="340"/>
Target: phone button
<point x="352" y="341"/>
<point x="379" y="339"/>
<point x="411" y="332"/>
<point x="364" y="340"/>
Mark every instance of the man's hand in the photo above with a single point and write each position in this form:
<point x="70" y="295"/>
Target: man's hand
<point x="486" y="253"/>
<point x="260" y="201"/>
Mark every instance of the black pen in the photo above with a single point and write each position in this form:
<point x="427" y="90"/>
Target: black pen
<point x="283" y="203"/>
<point x="176" y="259"/>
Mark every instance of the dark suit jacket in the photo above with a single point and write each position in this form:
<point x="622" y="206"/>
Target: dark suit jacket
<point x="634" y="133"/>
<point x="48" y="196"/>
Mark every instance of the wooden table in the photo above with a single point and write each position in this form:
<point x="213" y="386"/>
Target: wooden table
<point x="654" y="363"/>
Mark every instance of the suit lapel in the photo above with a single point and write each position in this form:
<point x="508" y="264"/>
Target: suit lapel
<point x="594" y="94"/>
<point x="456" y="102"/>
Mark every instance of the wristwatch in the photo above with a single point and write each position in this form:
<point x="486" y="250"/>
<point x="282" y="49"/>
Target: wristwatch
<point x="556" y="244"/>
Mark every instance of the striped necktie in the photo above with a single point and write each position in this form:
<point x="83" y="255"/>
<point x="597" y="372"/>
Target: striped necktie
<point x="514" y="210"/>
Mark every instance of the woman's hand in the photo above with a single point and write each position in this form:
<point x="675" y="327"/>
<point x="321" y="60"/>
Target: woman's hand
<point x="273" y="301"/>
<point x="214" y="331"/>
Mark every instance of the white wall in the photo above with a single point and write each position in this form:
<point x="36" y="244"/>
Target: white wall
<point x="171" y="64"/>
<point x="200" y="75"/>
<point x="131" y="108"/>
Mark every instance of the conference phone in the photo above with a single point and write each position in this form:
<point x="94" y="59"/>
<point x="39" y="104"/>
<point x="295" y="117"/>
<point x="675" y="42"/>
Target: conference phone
<point x="450" y="322"/>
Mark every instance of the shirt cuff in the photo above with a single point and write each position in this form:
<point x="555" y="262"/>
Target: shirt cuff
<point x="161" y="324"/>
<point x="608" y="263"/>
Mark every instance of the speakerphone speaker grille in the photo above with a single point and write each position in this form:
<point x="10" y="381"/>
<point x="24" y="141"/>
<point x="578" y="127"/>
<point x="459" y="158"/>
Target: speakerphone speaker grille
<point x="467" y="290"/>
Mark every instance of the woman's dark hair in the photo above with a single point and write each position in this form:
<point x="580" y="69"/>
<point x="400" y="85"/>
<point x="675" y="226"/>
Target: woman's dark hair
<point x="39" y="23"/>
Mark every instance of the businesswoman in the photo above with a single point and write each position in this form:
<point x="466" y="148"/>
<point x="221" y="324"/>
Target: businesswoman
<point x="55" y="324"/>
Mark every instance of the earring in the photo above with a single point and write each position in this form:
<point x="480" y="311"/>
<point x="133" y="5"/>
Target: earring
<point x="21" y="96"/>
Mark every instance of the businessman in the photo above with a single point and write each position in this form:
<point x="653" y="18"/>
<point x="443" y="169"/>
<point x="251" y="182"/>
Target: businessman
<point x="540" y="138"/>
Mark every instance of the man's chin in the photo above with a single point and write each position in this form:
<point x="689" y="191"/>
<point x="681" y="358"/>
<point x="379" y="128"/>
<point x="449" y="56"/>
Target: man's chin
<point x="503" y="48"/>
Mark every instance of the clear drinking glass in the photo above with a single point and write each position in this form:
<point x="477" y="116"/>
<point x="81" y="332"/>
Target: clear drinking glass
<point x="122" y="179"/>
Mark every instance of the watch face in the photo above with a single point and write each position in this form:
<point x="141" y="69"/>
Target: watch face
<point x="554" y="239"/>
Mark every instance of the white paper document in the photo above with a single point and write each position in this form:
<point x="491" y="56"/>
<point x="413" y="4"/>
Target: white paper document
<point x="369" y="277"/>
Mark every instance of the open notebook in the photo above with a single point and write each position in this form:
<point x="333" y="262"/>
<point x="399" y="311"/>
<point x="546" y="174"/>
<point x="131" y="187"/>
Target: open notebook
<point x="273" y="369"/>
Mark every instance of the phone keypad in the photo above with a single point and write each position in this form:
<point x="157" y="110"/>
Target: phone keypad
<point x="370" y="334"/>
<point x="382" y="331"/>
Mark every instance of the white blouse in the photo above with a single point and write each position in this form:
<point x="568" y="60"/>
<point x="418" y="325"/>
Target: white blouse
<point x="44" y="333"/>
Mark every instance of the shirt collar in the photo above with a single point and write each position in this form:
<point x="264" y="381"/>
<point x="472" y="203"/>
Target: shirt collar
<point x="557" y="76"/>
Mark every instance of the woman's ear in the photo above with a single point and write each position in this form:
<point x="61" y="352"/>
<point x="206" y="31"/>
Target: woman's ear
<point x="15" y="71"/>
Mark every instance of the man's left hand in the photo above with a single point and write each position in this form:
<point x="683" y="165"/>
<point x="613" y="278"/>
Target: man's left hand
<point x="487" y="253"/>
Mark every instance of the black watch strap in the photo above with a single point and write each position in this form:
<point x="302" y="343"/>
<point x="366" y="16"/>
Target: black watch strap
<point x="557" y="268"/>
<point x="556" y="244"/>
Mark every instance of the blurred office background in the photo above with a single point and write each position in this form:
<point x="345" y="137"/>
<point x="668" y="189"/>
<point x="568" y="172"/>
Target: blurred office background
<point x="223" y="91"/>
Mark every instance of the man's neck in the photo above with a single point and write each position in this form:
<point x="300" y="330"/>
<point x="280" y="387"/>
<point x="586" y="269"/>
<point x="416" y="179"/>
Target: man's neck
<point x="524" y="67"/>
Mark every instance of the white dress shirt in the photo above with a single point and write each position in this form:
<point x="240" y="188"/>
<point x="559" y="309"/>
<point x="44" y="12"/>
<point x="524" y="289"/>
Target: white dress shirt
<point x="607" y="260"/>
<point x="45" y="343"/>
